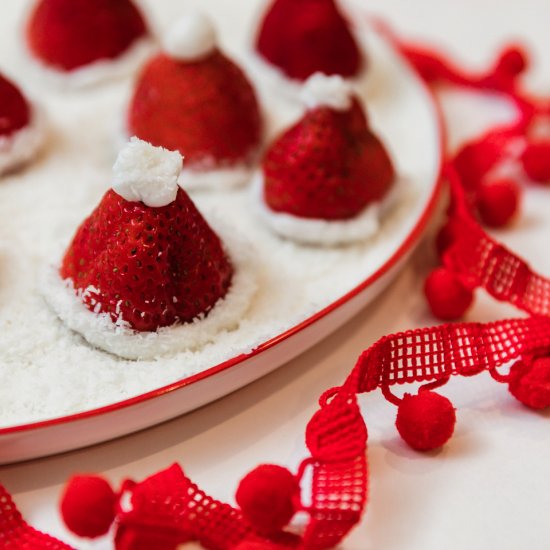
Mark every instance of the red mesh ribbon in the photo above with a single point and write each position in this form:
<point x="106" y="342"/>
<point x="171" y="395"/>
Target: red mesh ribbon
<point x="436" y="353"/>
<point x="16" y="534"/>
<point x="482" y="262"/>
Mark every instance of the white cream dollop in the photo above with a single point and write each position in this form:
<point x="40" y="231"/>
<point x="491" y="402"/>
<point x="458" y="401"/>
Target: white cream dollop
<point x="191" y="38"/>
<point x="146" y="173"/>
<point x="321" y="90"/>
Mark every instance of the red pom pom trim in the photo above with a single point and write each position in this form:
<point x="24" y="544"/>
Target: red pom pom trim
<point x="498" y="202"/>
<point x="530" y="382"/>
<point x="425" y="421"/>
<point x="266" y="496"/>
<point x="88" y="506"/>
<point x="536" y="161"/>
<point x="447" y="296"/>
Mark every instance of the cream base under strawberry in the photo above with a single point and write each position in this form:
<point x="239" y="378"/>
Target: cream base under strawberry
<point x="119" y="339"/>
<point x="94" y="73"/>
<point x="22" y="145"/>
<point x="320" y="232"/>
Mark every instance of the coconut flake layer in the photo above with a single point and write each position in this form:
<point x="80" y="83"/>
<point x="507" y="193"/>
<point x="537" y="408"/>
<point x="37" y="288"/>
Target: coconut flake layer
<point x="321" y="90"/>
<point x="192" y="38"/>
<point x="320" y="232"/>
<point x="22" y="145"/>
<point x="121" y="340"/>
<point x="143" y="172"/>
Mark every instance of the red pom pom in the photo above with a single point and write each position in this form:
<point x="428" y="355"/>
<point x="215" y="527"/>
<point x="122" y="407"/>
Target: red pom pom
<point x="266" y="496"/>
<point x="530" y="383"/>
<point x="447" y="297"/>
<point x="88" y="506"/>
<point x="536" y="161"/>
<point x="512" y="61"/>
<point x="498" y="201"/>
<point x="425" y="421"/>
<point x="476" y="159"/>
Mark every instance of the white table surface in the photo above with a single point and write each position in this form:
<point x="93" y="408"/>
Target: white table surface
<point x="488" y="488"/>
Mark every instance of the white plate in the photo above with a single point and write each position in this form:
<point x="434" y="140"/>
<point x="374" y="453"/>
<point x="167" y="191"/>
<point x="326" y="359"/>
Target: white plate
<point x="408" y="120"/>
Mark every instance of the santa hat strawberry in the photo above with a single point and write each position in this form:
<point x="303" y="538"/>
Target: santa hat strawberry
<point x="87" y="40"/>
<point x="145" y="274"/>
<point x="193" y="99"/>
<point x="21" y="127"/>
<point x="302" y="37"/>
<point x="323" y="180"/>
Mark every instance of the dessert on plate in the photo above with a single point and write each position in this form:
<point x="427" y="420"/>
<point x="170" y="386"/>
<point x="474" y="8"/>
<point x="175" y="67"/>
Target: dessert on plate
<point x="298" y="38"/>
<point x="325" y="180"/>
<point x="21" y="127"/>
<point x="145" y="275"/>
<point x="193" y="99"/>
<point x="80" y="42"/>
<point x="53" y="343"/>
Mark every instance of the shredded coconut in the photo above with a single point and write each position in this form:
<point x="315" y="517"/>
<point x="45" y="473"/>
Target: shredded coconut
<point x="146" y="173"/>
<point x="320" y="90"/>
<point x="192" y="38"/>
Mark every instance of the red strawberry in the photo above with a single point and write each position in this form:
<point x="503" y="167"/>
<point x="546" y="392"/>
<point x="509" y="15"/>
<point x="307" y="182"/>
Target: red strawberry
<point x="68" y="34"/>
<point x="196" y="101"/>
<point x="150" y="266"/>
<point x="15" y="112"/>
<point x="329" y="165"/>
<point x="303" y="37"/>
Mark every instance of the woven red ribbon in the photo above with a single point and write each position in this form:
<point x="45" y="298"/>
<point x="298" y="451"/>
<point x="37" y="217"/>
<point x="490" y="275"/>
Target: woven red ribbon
<point x="167" y="509"/>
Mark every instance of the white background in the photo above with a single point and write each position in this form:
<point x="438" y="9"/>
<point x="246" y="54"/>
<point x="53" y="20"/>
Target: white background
<point x="490" y="487"/>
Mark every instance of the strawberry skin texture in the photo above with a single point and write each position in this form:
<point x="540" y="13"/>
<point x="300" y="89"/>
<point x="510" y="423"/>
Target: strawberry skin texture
<point x="68" y="34"/>
<point x="303" y="37"/>
<point x="14" y="109"/>
<point x="328" y="166"/>
<point x="207" y="110"/>
<point x="153" y="267"/>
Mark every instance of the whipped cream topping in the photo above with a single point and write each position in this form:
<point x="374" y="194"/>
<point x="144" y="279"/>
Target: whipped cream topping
<point x="321" y="90"/>
<point x="146" y="173"/>
<point x="191" y="38"/>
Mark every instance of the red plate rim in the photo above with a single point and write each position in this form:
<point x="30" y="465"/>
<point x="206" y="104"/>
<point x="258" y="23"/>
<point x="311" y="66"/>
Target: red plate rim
<point x="403" y="249"/>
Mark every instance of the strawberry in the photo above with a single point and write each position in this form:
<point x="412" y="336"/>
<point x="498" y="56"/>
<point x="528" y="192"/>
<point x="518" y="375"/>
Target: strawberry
<point x="204" y="108"/>
<point x="148" y="266"/>
<point x="329" y="165"/>
<point x="302" y="37"/>
<point x="69" y="34"/>
<point x="15" y="112"/>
